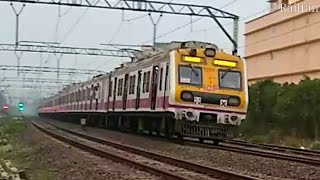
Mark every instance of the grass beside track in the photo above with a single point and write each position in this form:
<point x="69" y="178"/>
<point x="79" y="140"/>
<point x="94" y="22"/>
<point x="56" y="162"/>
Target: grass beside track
<point x="20" y="153"/>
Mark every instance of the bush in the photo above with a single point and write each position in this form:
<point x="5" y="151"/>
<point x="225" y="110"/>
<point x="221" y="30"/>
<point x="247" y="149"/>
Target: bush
<point x="290" y="110"/>
<point x="315" y="145"/>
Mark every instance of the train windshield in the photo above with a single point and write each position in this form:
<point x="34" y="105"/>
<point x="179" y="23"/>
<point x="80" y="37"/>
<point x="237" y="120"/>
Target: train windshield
<point x="190" y="75"/>
<point x="229" y="79"/>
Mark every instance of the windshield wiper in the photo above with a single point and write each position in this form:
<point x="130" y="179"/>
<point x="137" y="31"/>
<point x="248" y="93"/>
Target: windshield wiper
<point x="194" y="70"/>
<point x="225" y="73"/>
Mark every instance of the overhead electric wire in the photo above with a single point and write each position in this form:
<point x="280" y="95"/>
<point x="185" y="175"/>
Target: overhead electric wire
<point x="227" y="24"/>
<point x="185" y="25"/>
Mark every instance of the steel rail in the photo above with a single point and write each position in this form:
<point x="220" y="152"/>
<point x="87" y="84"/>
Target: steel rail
<point x="275" y="148"/>
<point x="213" y="172"/>
<point x="117" y="158"/>
<point x="305" y="160"/>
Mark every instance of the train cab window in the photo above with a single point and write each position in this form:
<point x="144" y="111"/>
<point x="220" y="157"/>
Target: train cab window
<point x="230" y="79"/>
<point x="190" y="75"/>
<point x="161" y="77"/>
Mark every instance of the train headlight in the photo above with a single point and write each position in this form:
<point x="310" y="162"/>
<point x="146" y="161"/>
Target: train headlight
<point x="190" y="114"/>
<point x="210" y="52"/>
<point x="187" y="96"/>
<point x="234" y="101"/>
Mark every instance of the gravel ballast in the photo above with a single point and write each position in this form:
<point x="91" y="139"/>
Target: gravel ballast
<point x="265" y="168"/>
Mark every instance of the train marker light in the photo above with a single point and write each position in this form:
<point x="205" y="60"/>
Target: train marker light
<point x="192" y="59"/>
<point x="210" y="52"/>
<point x="225" y="63"/>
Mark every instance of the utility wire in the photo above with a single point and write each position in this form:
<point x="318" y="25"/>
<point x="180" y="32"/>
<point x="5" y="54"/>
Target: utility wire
<point x="228" y="24"/>
<point x="75" y="24"/>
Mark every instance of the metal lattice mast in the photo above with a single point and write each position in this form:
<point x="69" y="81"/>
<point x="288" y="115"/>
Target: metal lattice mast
<point x="151" y="7"/>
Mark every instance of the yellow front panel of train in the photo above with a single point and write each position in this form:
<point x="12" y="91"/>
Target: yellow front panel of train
<point x="211" y="78"/>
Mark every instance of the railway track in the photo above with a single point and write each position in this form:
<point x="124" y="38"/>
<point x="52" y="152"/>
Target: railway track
<point x="190" y="167"/>
<point x="267" y="154"/>
<point x="301" y="159"/>
<point x="272" y="147"/>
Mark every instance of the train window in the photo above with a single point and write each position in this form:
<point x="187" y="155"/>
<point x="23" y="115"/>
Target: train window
<point x="133" y="84"/>
<point x="148" y="81"/>
<point x="144" y="82"/>
<point x="130" y="82"/>
<point x="190" y="75"/>
<point x="101" y="89"/>
<point x="120" y="86"/>
<point x="110" y="89"/>
<point x="160" y="83"/>
<point x="229" y="79"/>
<point x="166" y="78"/>
<point x="88" y="93"/>
<point x="83" y="94"/>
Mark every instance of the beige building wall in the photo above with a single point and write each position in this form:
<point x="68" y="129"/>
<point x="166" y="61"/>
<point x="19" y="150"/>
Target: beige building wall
<point x="283" y="45"/>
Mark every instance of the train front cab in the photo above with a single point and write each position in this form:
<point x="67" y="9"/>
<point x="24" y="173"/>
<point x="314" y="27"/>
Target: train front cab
<point x="208" y="94"/>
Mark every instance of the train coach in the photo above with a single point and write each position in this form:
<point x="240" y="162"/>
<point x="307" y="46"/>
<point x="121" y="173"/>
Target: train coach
<point x="188" y="89"/>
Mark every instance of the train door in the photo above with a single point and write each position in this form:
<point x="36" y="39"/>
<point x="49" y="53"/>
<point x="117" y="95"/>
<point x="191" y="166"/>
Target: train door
<point x="138" y="89"/>
<point x="154" y="86"/>
<point x="114" y="93"/>
<point x="125" y="92"/>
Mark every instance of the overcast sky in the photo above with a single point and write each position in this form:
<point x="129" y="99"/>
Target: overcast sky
<point x="84" y="27"/>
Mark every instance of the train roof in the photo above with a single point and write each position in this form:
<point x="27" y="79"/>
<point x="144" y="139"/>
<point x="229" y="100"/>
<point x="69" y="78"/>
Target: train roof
<point x="148" y="53"/>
